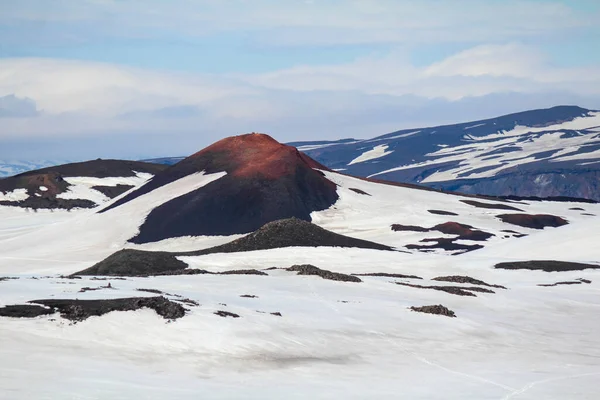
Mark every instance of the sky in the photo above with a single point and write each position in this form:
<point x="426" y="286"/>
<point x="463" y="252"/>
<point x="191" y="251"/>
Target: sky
<point x="134" y="79"/>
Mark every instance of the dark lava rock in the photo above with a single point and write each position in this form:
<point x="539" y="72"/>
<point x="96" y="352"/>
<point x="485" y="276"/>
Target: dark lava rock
<point x="129" y="262"/>
<point x="465" y="279"/>
<point x="442" y="212"/>
<point x="444" y="244"/>
<point x="226" y="314"/>
<point x="79" y="310"/>
<point x="409" y="228"/>
<point x="154" y="291"/>
<point x="359" y="191"/>
<point x="459" y="291"/>
<point x="576" y="209"/>
<point x="435" y="309"/>
<point x="584" y="280"/>
<point x="113" y="191"/>
<point x="537" y="221"/>
<point x="495" y="206"/>
<point x="266" y="181"/>
<point x="243" y="272"/>
<point x="464" y="232"/>
<point x="24" y="311"/>
<point x="546" y="265"/>
<point x="277" y="314"/>
<point x="385" y="274"/>
<point x="561" y="283"/>
<point x="308" y="269"/>
<point x="249" y="296"/>
<point x="289" y="232"/>
<point x="7" y="278"/>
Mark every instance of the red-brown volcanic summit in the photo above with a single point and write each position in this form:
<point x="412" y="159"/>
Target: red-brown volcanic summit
<point x="265" y="181"/>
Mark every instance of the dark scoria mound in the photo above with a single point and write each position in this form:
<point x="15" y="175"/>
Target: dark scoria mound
<point x="546" y="265"/>
<point x="79" y="310"/>
<point x="277" y="234"/>
<point x="290" y="232"/>
<point x="129" y="262"/>
<point x="52" y="178"/>
<point x="537" y="221"/>
<point x="265" y="181"/>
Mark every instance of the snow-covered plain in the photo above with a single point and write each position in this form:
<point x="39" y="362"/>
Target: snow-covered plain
<point x="334" y="339"/>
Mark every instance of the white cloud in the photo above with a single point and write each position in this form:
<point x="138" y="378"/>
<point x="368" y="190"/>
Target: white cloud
<point x="297" y="22"/>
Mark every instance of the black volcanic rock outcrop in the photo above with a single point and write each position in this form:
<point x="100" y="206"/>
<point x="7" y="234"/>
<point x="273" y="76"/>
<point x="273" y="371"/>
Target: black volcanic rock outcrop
<point x="130" y="262"/>
<point x="265" y="181"/>
<point x="546" y="265"/>
<point x="291" y="232"/>
<point x="534" y="221"/>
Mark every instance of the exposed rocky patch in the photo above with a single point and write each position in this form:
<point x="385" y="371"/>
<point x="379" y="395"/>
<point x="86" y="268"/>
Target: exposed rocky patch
<point x="546" y="265"/>
<point x="444" y="244"/>
<point x="588" y="214"/>
<point x="249" y="296"/>
<point x="242" y="272"/>
<point x="130" y="262"/>
<point x="355" y="190"/>
<point x="289" y="232"/>
<point x="515" y="234"/>
<point x="409" y="228"/>
<point x="24" y="311"/>
<point x="387" y="275"/>
<point x="465" y="279"/>
<point x="90" y="289"/>
<point x="51" y="203"/>
<point x="6" y="278"/>
<point x="576" y="209"/>
<point x="79" y="310"/>
<point x="442" y="212"/>
<point x="577" y="282"/>
<point x="226" y="314"/>
<point x="537" y="221"/>
<point x="490" y="206"/>
<point x="277" y="314"/>
<point x="456" y="290"/>
<point x="307" y="269"/>
<point x="113" y="191"/>
<point x="435" y="309"/>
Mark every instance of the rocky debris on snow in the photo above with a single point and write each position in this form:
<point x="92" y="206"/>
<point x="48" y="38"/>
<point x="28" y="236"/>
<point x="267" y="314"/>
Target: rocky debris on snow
<point x="388" y="275"/>
<point x="515" y="234"/>
<point x="546" y="265"/>
<point x="442" y="212"/>
<point x="242" y="272"/>
<point x="89" y="289"/>
<point x="355" y="190"/>
<point x="307" y="269"/>
<point x="7" y="278"/>
<point x="457" y="290"/>
<point x="444" y="244"/>
<point x="463" y="231"/>
<point x="537" y="221"/>
<point x="435" y="309"/>
<point x="577" y="282"/>
<point x="408" y="228"/>
<point x="465" y="279"/>
<point x="249" y="296"/>
<point x="226" y="314"/>
<point x="79" y="310"/>
<point x="576" y="209"/>
<point x="588" y="214"/>
<point x="490" y="206"/>
<point x="277" y="314"/>
<point x="187" y="301"/>
<point x="130" y="262"/>
<point x="153" y="291"/>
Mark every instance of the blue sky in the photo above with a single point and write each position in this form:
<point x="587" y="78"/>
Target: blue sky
<point x="133" y="78"/>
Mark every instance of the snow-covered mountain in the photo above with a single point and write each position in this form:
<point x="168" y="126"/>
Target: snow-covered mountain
<point x="549" y="152"/>
<point x="174" y="289"/>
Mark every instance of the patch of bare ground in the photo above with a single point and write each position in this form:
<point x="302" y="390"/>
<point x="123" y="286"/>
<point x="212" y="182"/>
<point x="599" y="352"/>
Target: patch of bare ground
<point x="307" y="269"/>
<point x="442" y="212"/>
<point x="465" y="279"/>
<point x="226" y="314"/>
<point x="387" y="275"/>
<point x="435" y="309"/>
<point x="546" y="265"/>
<point x="577" y="282"/>
<point x="355" y="190"/>
<point x="533" y="221"/>
<point x="456" y="290"/>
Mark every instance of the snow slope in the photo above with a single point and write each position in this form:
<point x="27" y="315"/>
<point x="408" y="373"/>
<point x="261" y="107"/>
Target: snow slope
<point x="333" y="339"/>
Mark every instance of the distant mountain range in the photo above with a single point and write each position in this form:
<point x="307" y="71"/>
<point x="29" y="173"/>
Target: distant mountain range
<point x="548" y="152"/>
